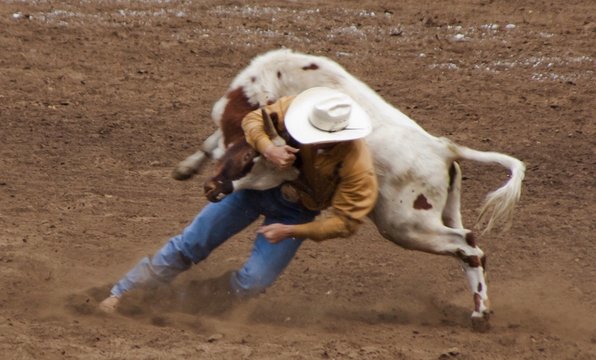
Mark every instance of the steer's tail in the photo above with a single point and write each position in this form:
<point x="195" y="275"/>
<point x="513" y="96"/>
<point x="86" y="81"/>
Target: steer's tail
<point x="503" y="200"/>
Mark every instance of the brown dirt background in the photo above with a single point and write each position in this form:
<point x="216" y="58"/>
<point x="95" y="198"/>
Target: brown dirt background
<point x="100" y="99"/>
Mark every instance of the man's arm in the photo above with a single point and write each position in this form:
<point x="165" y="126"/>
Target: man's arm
<point x="354" y="198"/>
<point x="254" y="131"/>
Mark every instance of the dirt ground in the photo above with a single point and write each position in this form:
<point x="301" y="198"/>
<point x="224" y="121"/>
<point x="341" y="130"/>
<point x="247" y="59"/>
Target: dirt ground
<point x="100" y="99"/>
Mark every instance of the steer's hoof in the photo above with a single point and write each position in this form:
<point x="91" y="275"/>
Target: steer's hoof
<point x="182" y="173"/>
<point x="481" y="322"/>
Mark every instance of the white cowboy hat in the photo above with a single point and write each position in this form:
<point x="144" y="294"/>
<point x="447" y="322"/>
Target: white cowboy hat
<point x="321" y="114"/>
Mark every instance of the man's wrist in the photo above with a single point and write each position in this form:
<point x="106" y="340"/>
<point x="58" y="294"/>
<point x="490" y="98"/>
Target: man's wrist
<point x="267" y="151"/>
<point x="264" y="146"/>
<point x="290" y="230"/>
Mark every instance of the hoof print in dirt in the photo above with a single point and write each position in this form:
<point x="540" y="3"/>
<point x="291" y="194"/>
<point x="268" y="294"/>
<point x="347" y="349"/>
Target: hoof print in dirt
<point x="481" y="324"/>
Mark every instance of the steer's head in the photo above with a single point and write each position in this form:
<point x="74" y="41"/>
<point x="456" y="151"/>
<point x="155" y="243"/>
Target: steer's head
<point x="236" y="162"/>
<point x="238" y="159"/>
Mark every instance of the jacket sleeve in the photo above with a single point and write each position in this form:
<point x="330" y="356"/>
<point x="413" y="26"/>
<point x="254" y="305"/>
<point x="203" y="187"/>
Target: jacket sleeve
<point x="354" y="199"/>
<point x="254" y="128"/>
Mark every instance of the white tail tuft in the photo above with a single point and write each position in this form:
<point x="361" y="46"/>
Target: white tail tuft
<point x="499" y="205"/>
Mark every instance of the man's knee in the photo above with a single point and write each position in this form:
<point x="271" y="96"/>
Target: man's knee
<point x="244" y="284"/>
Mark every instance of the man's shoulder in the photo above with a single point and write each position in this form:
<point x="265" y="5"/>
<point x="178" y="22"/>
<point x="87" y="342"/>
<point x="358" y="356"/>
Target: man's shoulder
<point x="358" y="146"/>
<point x="357" y="157"/>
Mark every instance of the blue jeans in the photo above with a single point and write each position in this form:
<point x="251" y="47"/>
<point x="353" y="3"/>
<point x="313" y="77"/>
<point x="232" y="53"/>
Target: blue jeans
<point x="215" y="224"/>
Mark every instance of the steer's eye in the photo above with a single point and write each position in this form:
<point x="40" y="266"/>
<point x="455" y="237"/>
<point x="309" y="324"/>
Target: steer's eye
<point x="247" y="158"/>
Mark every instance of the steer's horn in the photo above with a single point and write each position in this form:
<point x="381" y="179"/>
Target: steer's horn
<point x="269" y="126"/>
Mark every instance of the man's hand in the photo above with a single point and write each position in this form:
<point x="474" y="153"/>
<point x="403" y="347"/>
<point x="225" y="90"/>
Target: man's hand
<point x="276" y="232"/>
<point x="281" y="156"/>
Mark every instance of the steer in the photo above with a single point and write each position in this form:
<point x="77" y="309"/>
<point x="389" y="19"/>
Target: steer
<point x="419" y="178"/>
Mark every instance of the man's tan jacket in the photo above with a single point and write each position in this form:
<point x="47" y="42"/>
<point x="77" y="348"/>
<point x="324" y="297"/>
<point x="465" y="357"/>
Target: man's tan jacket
<point x="342" y="178"/>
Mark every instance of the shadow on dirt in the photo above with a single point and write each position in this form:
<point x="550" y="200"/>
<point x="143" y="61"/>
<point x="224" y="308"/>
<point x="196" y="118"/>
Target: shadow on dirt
<point x="166" y="305"/>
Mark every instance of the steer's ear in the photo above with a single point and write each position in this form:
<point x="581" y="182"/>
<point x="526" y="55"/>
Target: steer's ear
<point x="269" y="126"/>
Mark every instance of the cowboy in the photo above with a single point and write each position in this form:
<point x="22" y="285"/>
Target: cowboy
<point x="336" y="173"/>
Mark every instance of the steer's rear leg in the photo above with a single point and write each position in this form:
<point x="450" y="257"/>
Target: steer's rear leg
<point x="459" y="243"/>
<point x="190" y="166"/>
<point x="472" y="258"/>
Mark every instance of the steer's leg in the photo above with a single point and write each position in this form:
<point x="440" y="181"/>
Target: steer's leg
<point x="459" y="243"/>
<point x="451" y="215"/>
<point x="474" y="267"/>
<point x="190" y="166"/>
<point x="472" y="258"/>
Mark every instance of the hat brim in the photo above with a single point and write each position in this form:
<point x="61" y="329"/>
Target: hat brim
<point x="300" y="128"/>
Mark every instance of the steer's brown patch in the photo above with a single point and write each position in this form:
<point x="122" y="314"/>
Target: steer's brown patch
<point x="452" y="173"/>
<point x="421" y="203"/>
<point x="279" y="74"/>
<point x="236" y="108"/>
<point x="477" y="301"/>
<point x="471" y="239"/>
<point x="312" y="66"/>
<point x="473" y="261"/>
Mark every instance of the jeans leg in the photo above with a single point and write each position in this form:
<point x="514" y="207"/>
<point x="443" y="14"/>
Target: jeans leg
<point x="267" y="261"/>
<point x="216" y="223"/>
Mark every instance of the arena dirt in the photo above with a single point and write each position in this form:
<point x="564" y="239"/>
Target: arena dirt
<point x="100" y="99"/>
